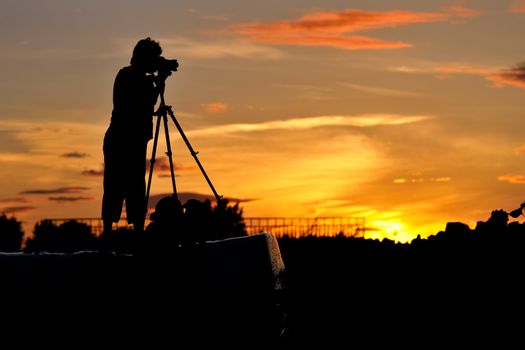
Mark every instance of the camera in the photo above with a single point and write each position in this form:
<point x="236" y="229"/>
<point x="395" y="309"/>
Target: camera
<point x="166" y="66"/>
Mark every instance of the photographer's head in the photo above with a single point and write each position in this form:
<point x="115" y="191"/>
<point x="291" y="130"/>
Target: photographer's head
<point x="146" y="55"/>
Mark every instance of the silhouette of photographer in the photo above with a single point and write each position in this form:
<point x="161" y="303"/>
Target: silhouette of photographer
<point x="135" y="94"/>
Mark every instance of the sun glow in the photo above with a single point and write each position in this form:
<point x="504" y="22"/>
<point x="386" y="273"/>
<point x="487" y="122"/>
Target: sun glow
<point x="393" y="230"/>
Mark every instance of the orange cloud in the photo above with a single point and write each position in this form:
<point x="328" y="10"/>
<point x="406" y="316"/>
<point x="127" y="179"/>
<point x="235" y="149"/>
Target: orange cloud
<point x="14" y="200"/>
<point x="513" y="77"/>
<point x="16" y="210"/>
<point x="347" y="21"/>
<point x="518" y="6"/>
<point x="162" y="165"/>
<point x="519" y="150"/>
<point x="75" y="155"/>
<point x="462" y="11"/>
<point x="353" y="42"/>
<point x="61" y="190"/>
<point x="215" y="107"/>
<point x="93" y="172"/>
<point x="513" y="179"/>
<point x="464" y="69"/>
<point x="332" y="28"/>
<point x="360" y="121"/>
<point x="403" y="180"/>
<point x="63" y="199"/>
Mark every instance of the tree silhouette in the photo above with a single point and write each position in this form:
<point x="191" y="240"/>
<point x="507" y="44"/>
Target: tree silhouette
<point x="195" y="221"/>
<point x="217" y="222"/>
<point x="44" y="236"/>
<point x="71" y="236"/>
<point x="228" y="220"/>
<point x="11" y="234"/>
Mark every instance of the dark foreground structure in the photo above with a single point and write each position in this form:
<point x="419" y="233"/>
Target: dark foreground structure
<point x="224" y="294"/>
<point x="461" y="288"/>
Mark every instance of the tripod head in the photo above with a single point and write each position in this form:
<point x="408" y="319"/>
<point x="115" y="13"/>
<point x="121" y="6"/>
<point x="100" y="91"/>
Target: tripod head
<point x="162" y="110"/>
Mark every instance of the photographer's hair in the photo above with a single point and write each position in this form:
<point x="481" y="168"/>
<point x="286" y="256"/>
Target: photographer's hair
<point x="145" y="50"/>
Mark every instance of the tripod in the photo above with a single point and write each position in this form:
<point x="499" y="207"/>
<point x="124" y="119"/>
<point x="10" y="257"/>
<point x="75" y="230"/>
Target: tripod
<point x="162" y="113"/>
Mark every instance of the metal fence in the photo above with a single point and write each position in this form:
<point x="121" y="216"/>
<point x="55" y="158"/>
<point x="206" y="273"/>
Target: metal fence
<point x="279" y="226"/>
<point x="299" y="226"/>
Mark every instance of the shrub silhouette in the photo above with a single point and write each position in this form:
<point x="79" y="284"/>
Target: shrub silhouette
<point x="11" y="234"/>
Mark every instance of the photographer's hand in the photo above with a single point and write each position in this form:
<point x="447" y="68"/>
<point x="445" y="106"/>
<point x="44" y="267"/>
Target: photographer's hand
<point x="160" y="82"/>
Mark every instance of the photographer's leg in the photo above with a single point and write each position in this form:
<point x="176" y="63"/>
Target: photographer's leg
<point x="108" y="225"/>
<point x="113" y="196"/>
<point x="136" y="187"/>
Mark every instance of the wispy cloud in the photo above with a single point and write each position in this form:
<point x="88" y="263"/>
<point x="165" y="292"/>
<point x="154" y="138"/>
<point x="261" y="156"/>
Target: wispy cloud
<point x="518" y="6"/>
<point x="519" y="150"/>
<point x="347" y="21"/>
<point x="220" y="18"/>
<point x="309" y="92"/>
<point x="354" y="42"/>
<point x="30" y="53"/>
<point x="10" y="142"/>
<point x="52" y="139"/>
<point x="513" y="179"/>
<point x="514" y="76"/>
<point x="403" y="180"/>
<point x="215" y="107"/>
<point x="74" y="155"/>
<point x="190" y="48"/>
<point x="380" y="91"/>
<point x="61" y="190"/>
<point x="185" y="196"/>
<point x="462" y="11"/>
<point x="69" y="199"/>
<point x="333" y="28"/>
<point x="16" y="210"/>
<point x="162" y="165"/>
<point x="14" y="200"/>
<point x="208" y="17"/>
<point x="465" y="69"/>
<point x="365" y="120"/>
<point x="162" y="168"/>
<point x="93" y="172"/>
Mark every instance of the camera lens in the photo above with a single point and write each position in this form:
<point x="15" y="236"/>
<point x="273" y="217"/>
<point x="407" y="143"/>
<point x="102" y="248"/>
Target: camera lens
<point x="168" y="64"/>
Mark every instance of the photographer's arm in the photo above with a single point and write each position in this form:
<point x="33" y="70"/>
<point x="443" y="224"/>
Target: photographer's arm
<point x="160" y="84"/>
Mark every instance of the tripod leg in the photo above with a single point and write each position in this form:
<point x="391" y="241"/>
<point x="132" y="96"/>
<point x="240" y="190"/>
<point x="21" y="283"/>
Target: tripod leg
<point x="152" y="161"/>
<point x="168" y="153"/>
<point x="194" y="154"/>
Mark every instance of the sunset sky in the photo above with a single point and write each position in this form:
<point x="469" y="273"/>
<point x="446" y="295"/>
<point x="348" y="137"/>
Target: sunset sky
<point x="408" y="113"/>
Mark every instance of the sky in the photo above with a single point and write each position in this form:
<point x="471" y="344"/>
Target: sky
<point x="407" y="113"/>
